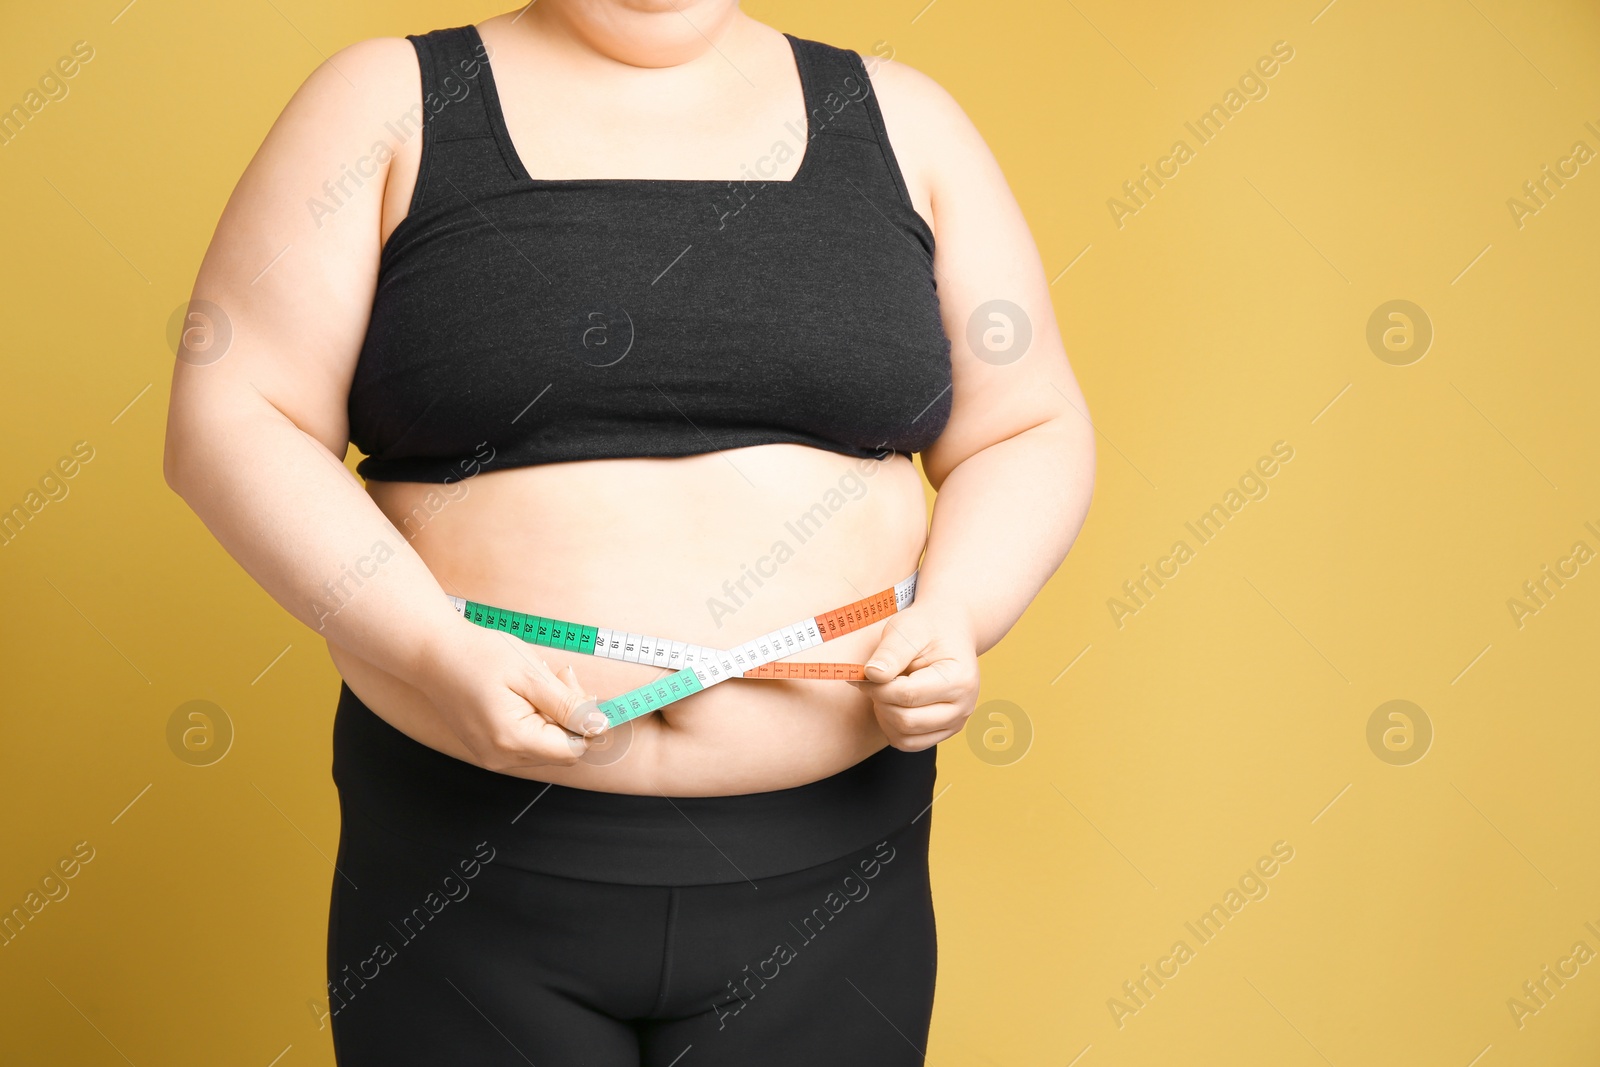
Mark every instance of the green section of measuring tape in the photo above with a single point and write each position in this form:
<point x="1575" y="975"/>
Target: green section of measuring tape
<point x="647" y="698"/>
<point x="534" y="629"/>
<point x="575" y="637"/>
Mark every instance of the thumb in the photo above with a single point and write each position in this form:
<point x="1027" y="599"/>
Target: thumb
<point x="564" y="704"/>
<point x="890" y="658"/>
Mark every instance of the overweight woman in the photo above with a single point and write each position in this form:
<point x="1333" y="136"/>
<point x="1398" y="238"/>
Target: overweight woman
<point x="638" y="311"/>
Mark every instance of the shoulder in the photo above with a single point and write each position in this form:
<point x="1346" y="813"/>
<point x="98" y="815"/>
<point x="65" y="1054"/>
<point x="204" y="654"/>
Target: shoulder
<point x="341" y="128"/>
<point x="907" y="89"/>
<point x="377" y="54"/>
<point x="374" y="67"/>
<point x="349" y="95"/>
<point x="938" y="147"/>
<point x="915" y="106"/>
<point x="349" y="102"/>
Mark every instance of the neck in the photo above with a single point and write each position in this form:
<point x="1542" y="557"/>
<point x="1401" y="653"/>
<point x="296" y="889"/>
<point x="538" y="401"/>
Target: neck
<point x="637" y="33"/>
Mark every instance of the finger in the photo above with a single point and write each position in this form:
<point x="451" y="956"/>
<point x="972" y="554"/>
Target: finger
<point x="914" y="722"/>
<point x="609" y="747"/>
<point x="895" y="650"/>
<point x="941" y="680"/>
<point x="521" y="738"/>
<point x="920" y="742"/>
<point x="545" y="742"/>
<point x="562" y="704"/>
<point x="592" y="720"/>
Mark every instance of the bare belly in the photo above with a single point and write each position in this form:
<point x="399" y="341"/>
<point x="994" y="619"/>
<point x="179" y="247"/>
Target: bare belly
<point x="712" y="549"/>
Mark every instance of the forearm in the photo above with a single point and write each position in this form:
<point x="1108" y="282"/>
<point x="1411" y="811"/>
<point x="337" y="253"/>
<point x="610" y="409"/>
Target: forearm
<point x="1003" y="521"/>
<point x="299" y="523"/>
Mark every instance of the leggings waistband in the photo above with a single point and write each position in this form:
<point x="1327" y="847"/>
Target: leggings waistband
<point x="427" y="796"/>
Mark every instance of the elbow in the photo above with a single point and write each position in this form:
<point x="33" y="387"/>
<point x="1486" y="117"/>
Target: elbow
<point x="195" y="431"/>
<point x="1072" y="454"/>
<point x="174" y="469"/>
<point x="1085" y="455"/>
<point x="1090" y="459"/>
<point x="169" y="471"/>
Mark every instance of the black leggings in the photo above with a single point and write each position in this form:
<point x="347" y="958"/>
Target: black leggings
<point x="437" y="957"/>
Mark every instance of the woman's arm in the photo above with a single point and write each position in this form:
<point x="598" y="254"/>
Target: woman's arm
<point x="255" y="435"/>
<point x="1014" y="468"/>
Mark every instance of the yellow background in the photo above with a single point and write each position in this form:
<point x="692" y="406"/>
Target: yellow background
<point x="1230" y="713"/>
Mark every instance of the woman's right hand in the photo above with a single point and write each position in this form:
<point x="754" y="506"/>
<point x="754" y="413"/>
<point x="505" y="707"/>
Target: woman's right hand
<point x="505" y="703"/>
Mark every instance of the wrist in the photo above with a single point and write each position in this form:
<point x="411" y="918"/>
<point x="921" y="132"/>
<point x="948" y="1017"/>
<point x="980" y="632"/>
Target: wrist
<point x="443" y="646"/>
<point x="952" y="617"/>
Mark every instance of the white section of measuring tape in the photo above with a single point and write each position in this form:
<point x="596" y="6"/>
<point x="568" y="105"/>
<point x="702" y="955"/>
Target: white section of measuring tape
<point x="629" y="647"/>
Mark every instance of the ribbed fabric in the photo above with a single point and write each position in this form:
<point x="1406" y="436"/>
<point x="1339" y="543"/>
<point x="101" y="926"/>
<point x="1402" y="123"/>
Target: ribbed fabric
<point x="520" y="321"/>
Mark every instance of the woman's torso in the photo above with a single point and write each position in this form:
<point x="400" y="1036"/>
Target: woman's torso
<point x="714" y="547"/>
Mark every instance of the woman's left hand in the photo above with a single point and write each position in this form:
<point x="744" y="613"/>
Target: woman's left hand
<point x="923" y="677"/>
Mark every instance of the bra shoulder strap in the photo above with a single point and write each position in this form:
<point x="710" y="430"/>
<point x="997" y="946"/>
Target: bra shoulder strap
<point x="841" y="103"/>
<point x="459" y="139"/>
<point x="835" y="84"/>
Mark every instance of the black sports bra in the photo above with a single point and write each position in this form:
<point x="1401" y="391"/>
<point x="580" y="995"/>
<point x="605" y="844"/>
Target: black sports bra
<point x="520" y="321"/>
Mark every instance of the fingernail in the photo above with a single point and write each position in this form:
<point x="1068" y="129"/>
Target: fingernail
<point x="592" y="719"/>
<point x="875" y="663"/>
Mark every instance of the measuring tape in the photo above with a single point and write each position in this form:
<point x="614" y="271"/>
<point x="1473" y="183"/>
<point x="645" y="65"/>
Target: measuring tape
<point x="697" y="667"/>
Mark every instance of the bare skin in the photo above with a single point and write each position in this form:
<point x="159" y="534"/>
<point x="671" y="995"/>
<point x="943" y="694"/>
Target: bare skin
<point x="619" y="89"/>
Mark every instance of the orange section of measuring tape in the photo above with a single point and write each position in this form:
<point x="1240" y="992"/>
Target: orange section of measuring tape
<point x="848" y="672"/>
<point x="863" y="612"/>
